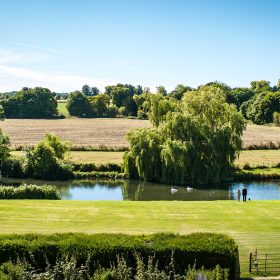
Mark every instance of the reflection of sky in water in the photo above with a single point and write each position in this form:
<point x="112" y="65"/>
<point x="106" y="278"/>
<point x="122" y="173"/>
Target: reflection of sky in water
<point x="95" y="193"/>
<point x="258" y="190"/>
<point x="135" y="190"/>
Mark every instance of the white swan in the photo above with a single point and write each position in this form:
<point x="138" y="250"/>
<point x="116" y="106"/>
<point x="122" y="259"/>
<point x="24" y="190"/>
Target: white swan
<point x="173" y="190"/>
<point x="189" y="189"/>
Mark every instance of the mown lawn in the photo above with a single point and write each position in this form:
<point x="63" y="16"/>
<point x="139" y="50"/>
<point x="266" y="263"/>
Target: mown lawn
<point x="255" y="224"/>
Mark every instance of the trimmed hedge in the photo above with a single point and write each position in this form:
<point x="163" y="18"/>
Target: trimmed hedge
<point x="204" y="249"/>
<point x="29" y="192"/>
<point x="89" y="167"/>
<point x="99" y="174"/>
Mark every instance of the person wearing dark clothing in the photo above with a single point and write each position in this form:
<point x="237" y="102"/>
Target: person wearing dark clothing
<point x="244" y="194"/>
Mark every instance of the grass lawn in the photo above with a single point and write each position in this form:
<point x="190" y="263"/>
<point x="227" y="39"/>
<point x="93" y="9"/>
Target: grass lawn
<point x="255" y="224"/>
<point x="61" y="107"/>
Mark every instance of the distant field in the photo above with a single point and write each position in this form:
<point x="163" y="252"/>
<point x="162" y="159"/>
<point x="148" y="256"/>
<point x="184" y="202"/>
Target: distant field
<point x="81" y="132"/>
<point x="253" y="225"/>
<point x="61" y="106"/>
<point x="259" y="157"/>
<point x="108" y="132"/>
<point x="89" y="157"/>
<point x="254" y="157"/>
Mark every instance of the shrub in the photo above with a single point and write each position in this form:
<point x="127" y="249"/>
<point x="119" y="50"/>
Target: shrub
<point x="29" y="192"/>
<point x="89" y="167"/>
<point x="45" y="161"/>
<point x="67" y="268"/>
<point x="13" y="167"/>
<point x="102" y="250"/>
<point x="276" y="118"/>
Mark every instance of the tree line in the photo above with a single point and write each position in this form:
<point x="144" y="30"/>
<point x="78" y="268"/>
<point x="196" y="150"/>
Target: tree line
<point x="257" y="103"/>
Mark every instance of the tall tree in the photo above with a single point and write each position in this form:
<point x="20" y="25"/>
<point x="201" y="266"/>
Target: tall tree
<point x="196" y="143"/>
<point x="86" y="90"/>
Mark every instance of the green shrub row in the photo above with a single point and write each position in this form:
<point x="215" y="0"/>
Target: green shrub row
<point x="29" y="192"/>
<point x="66" y="268"/>
<point x="99" y="174"/>
<point x="89" y="167"/>
<point x="202" y="249"/>
<point x="259" y="173"/>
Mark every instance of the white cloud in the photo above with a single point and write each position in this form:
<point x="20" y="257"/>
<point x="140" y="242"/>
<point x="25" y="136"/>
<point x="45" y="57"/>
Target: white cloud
<point x="42" y="48"/>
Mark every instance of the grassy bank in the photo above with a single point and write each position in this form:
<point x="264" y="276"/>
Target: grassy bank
<point x="253" y="224"/>
<point x="258" y="174"/>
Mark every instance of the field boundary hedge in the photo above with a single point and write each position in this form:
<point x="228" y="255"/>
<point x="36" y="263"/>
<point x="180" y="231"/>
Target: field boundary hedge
<point x="202" y="249"/>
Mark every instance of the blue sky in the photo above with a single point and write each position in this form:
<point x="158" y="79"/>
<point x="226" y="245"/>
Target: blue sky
<point x="63" y="44"/>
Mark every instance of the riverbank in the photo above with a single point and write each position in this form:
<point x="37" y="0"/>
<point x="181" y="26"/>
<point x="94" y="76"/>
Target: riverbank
<point x="254" y="224"/>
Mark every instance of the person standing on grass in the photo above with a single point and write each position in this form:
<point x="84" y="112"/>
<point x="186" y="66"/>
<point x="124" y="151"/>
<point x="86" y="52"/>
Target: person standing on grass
<point x="244" y="194"/>
<point x="238" y="194"/>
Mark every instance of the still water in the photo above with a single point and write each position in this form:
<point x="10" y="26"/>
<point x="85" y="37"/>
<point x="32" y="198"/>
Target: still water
<point x="135" y="190"/>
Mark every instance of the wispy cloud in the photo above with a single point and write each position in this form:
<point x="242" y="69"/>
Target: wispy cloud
<point x="121" y="63"/>
<point x="54" y="81"/>
<point x="42" y="48"/>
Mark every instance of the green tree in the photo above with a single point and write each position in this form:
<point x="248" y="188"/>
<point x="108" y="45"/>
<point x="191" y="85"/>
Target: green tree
<point x="100" y="104"/>
<point x="179" y="91"/>
<point x="196" y="143"/>
<point x="86" y="90"/>
<point x="2" y="113"/>
<point x="45" y="161"/>
<point x="262" y="107"/>
<point x="31" y="103"/>
<point x="259" y="86"/>
<point x="161" y="90"/>
<point x="4" y="148"/>
<point x="95" y="91"/>
<point x="158" y="106"/>
<point x="78" y="105"/>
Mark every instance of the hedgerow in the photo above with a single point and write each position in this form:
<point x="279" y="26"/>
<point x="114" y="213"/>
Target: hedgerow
<point x="102" y="250"/>
<point x="29" y="192"/>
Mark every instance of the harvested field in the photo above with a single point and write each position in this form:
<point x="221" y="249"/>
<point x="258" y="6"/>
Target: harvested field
<point x="81" y="132"/>
<point x="108" y="132"/>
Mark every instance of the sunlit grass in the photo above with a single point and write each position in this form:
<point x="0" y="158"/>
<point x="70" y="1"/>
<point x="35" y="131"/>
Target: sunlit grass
<point x="255" y="224"/>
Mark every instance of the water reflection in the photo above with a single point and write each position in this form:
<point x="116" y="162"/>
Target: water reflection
<point x="135" y="190"/>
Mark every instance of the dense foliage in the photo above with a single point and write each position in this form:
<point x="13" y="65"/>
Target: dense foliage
<point x="204" y="249"/>
<point x="257" y="102"/>
<point x="196" y="142"/>
<point x="46" y="159"/>
<point x="4" y="149"/>
<point x="29" y="192"/>
<point x="67" y="268"/>
<point x="31" y="103"/>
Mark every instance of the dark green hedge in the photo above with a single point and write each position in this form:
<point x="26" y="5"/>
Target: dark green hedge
<point x="206" y="249"/>
<point x="89" y="167"/>
<point x="29" y="192"/>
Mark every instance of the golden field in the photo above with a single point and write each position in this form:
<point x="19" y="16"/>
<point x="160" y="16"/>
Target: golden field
<point x="108" y="132"/>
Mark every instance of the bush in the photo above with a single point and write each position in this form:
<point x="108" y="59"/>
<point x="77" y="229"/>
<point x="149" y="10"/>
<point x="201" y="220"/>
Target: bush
<point x="29" y="192"/>
<point x="67" y="268"/>
<point x="276" y="118"/>
<point x="13" y="167"/>
<point x="89" y="167"/>
<point x="202" y="249"/>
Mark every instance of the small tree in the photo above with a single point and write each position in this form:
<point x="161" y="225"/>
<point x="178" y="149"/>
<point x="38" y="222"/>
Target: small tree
<point x="45" y="161"/>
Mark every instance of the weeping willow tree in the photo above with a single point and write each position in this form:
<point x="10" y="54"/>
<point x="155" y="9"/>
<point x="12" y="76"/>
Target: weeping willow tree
<point x="196" y="143"/>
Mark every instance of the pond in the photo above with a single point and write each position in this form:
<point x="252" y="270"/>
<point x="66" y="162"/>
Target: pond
<point x="136" y="190"/>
